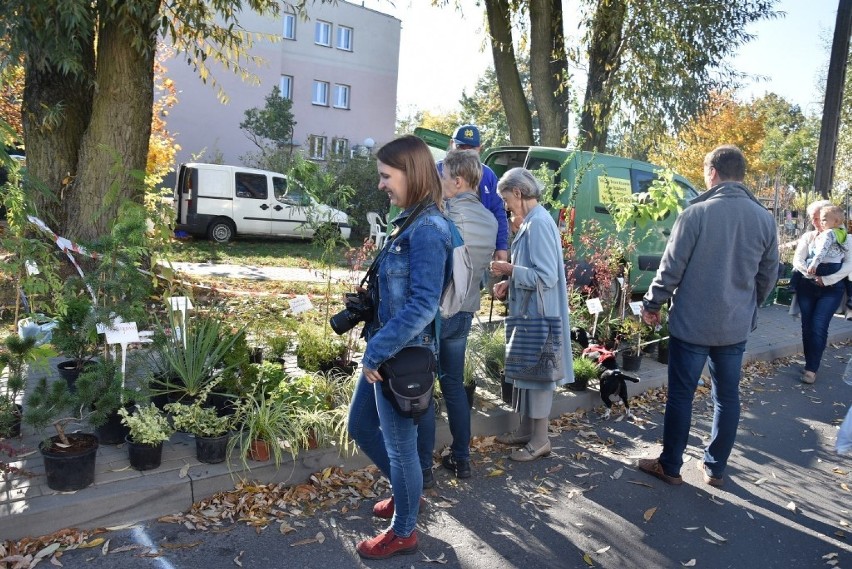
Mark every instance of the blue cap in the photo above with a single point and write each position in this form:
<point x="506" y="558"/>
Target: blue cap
<point x="466" y="134"/>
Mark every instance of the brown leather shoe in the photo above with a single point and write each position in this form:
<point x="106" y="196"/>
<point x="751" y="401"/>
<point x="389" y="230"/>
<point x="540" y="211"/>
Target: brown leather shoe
<point x="387" y="545"/>
<point x="653" y="467"/>
<point x="528" y="454"/>
<point x="711" y="480"/>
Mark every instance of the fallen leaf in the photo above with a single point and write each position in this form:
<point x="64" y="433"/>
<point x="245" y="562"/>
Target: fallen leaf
<point x="285" y="529"/>
<point x="105" y="548"/>
<point x="603" y="549"/>
<point x="692" y="528"/>
<point x="237" y="561"/>
<point x="320" y="537"/>
<point x="807" y="450"/>
<point x="55" y="562"/>
<point x="495" y="472"/>
<point x="749" y="515"/>
<point x="759" y="481"/>
<point x="304" y="542"/>
<point x="183" y="471"/>
<point x="844" y="486"/>
<point x="714" y="535"/>
<point x="791" y="506"/>
<point x="94" y="543"/>
<point x="439" y="559"/>
<point x="649" y="513"/>
<point x="690" y="563"/>
<point x="49" y="550"/>
<point x="617" y="474"/>
<point x="645" y="484"/>
<point x="555" y="469"/>
<point x="588" y="560"/>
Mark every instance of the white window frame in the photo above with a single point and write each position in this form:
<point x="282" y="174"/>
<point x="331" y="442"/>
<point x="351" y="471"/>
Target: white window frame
<point x="288" y="31"/>
<point x="340" y="147"/>
<point x="322" y="33"/>
<point x="320" y="93"/>
<point x="342" y="91"/>
<point x="286" y="93"/>
<point x="347" y="33"/>
<point x="317" y="147"/>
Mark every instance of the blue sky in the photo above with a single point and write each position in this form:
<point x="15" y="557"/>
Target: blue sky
<point x="442" y="52"/>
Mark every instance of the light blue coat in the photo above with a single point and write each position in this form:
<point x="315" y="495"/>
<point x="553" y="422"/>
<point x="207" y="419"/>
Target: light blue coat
<point x="538" y="261"/>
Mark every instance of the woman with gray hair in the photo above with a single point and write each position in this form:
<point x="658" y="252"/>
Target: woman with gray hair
<point x="817" y="297"/>
<point x="536" y="287"/>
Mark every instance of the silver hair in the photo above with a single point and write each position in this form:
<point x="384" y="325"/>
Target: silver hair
<point x="816" y="206"/>
<point x="522" y="180"/>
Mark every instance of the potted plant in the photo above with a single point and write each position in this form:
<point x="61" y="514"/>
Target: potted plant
<point x="318" y="350"/>
<point x="101" y="389"/>
<point x="585" y="370"/>
<point x="319" y="405"/>
<point x="16" y="354"/>
<point x="265" y="426"/>
<point x="210" y="430"/>
<point x="487" y="349"/>
<point x="69" y="458"/>
<point x="185" y="366"/>
<point x="75" y="337"/>
<point x="630" y="341"/>
<point x="149" y="429"/>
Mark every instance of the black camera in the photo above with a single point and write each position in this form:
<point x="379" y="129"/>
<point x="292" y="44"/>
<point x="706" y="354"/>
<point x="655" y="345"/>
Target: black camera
<point x="359" y="308"/>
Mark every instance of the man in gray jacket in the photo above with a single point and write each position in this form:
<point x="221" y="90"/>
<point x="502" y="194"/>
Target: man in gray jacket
<point x="720" y="264"/>
<point x="459" y="179"/>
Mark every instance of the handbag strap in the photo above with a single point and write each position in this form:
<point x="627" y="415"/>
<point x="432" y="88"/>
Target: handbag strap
<point x="525" y="303"/>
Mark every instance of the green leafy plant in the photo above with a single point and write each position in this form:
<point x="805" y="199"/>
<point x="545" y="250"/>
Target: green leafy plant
<point x="198" y="420"/>
<point x="16" y="355"/>
<point x="585" y="370"/>
<point x="317" y="349"/>
<point x="664" y="197"/>
<point x="266" y="419"/>
<point x="75" y="334"/>
<point x="148" y="425"/>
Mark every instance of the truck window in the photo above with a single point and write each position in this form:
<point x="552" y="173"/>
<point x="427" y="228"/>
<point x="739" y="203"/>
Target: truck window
<point x="279" y="187"/>
<point x="251" y="186"/>
<point x="551" y="185"/>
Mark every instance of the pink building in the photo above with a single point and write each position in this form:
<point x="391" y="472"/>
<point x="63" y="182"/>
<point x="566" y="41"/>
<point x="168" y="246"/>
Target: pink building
<point x="339" y="67"/>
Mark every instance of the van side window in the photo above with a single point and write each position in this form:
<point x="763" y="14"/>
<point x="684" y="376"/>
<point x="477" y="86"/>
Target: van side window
<point x="279" y="188"/>
<point x="251" y="186"/>
<point x="640" y="180"/>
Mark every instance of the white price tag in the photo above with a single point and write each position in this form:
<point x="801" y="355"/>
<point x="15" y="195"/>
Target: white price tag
<point x="594" y="305"/>
<point x="122" y="333"/>
<point x="620" y="281"/>
<point x="300" y="304"/>
<point x="32" y="268"/>
<point x="636" y="308"/>
<point x="181" y="303"/>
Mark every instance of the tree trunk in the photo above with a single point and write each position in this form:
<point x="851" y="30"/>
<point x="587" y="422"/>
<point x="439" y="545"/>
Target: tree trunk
<point x="55" y="116"/>
<point x="605" y="51"/>
<point x="114" y="149"/>
<point x="559" y="69"/>
<point x="548" y="90"/>
<point x="508" y="79"/>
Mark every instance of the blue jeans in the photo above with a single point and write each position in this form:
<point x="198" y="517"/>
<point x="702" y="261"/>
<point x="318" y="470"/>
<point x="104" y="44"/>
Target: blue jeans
<point x="686" y="361"/>
<point x="390" y="441"/>
<point x="817" y="305"/>
<point x="454" y="332"/>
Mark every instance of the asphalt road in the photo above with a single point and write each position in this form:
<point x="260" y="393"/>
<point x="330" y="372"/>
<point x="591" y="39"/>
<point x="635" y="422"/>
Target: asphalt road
<point x="787" y="502"/>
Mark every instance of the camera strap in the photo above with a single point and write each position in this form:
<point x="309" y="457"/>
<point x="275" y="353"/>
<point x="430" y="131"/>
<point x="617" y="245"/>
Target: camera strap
<point x="374" y="266"/>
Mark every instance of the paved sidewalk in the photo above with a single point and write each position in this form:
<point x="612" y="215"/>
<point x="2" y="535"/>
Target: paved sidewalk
<point x="262" y="273"/>
<point x="122" y="495"/>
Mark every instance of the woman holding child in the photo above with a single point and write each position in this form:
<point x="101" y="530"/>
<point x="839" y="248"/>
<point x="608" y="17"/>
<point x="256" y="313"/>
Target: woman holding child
<point x="823" y="260"/>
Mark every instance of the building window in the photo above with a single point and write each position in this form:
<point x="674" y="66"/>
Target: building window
<point x="341" y="96"/>
<point x="340" y="147"/>
<point x="289" y="26"/>
<point x="317" y="147"/>
<point x="344" y="38"/>
<point x="320" y="93"/>
<point x="322" y="33"/>
<point x="286" y="87"/>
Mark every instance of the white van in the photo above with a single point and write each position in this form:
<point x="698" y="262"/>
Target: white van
<point x="224" y="201"/>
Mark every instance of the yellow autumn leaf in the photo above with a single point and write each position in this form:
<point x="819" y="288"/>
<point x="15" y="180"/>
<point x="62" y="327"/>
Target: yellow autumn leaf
<point x="94" y="543"/>
<point x="588" y="560"/>
<point x="649" y="513"/>
<point x="495" y="472"/>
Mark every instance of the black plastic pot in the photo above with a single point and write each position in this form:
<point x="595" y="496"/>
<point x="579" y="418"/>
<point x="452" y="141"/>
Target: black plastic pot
<point x="211" y="450"/>
<point x="113" y="432"/>
<point x="506" y="391"/>
<point x="631" y="362"/>
<point x="144" y="457"/>
<point x="69" y="371"/>
<point x="578" y="385"/>
<point x="470" y="390"/>
<point x="73" y="468"/>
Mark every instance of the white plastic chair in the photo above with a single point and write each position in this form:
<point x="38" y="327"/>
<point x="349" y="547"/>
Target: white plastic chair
<point x="378" y="228"/>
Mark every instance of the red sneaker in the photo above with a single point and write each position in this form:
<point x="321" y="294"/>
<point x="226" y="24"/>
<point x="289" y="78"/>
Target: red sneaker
<point x="387" y="545"/>
<point x="384" y="508"/>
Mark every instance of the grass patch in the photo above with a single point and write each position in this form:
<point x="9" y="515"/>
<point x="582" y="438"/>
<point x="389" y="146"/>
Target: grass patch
<point x="278" y="252"/>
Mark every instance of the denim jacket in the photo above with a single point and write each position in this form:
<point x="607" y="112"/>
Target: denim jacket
<point x="411" y="277"/>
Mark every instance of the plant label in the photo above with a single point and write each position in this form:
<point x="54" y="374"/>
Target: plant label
<point x="636" y="308"/>
<point x="32" y="268"/>
<point x="594" y="305"/>
<point x="122" y="333"/>
<point x="300" y="303"/>
<point x="181" y="303"/>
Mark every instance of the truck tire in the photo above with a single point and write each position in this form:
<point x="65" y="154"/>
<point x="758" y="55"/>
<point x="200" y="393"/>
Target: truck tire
<point x="221" y="230"/>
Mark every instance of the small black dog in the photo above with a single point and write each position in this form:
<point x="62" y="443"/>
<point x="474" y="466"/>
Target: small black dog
<point x="613" y="382"/>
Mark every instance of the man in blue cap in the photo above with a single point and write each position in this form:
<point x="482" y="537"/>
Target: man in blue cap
<point x="466" y="137"/>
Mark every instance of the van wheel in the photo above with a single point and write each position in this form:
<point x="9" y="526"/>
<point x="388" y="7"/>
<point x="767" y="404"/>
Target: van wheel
<point x="221" y="230"/>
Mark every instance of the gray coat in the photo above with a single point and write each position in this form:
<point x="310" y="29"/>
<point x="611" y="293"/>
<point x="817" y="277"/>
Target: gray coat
<point x="720" y="264"/>
<point x="478" y="228"/>
<point x="538" y="261"/>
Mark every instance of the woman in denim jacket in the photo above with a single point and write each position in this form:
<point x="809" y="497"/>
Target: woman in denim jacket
<point x="410" y="279"/>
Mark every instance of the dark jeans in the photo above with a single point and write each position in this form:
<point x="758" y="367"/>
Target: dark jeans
<point x="686" y="361"/>
<point x="817" y="305"/>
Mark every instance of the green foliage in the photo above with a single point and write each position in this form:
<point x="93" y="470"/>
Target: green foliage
<point x="664" y="197"/>
<point x="198" y="420"/>
<point x="148" y="425"/>
<point x="585" y="370"/>
<point x="75" y="334"/>
<point x="16" y="355"/>
<point x="274" y="122"/>
<point x="100" y="390"/>
<point x="51" y="404"/>
<point x="359" y="173"/>
<point x="261" y="418"/>
<point x="317" y="349"/>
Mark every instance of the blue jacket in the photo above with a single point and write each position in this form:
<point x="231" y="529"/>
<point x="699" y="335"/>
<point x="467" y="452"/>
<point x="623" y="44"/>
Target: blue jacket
<point x="410" y="277"/>
<point x="493" y="202"/>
